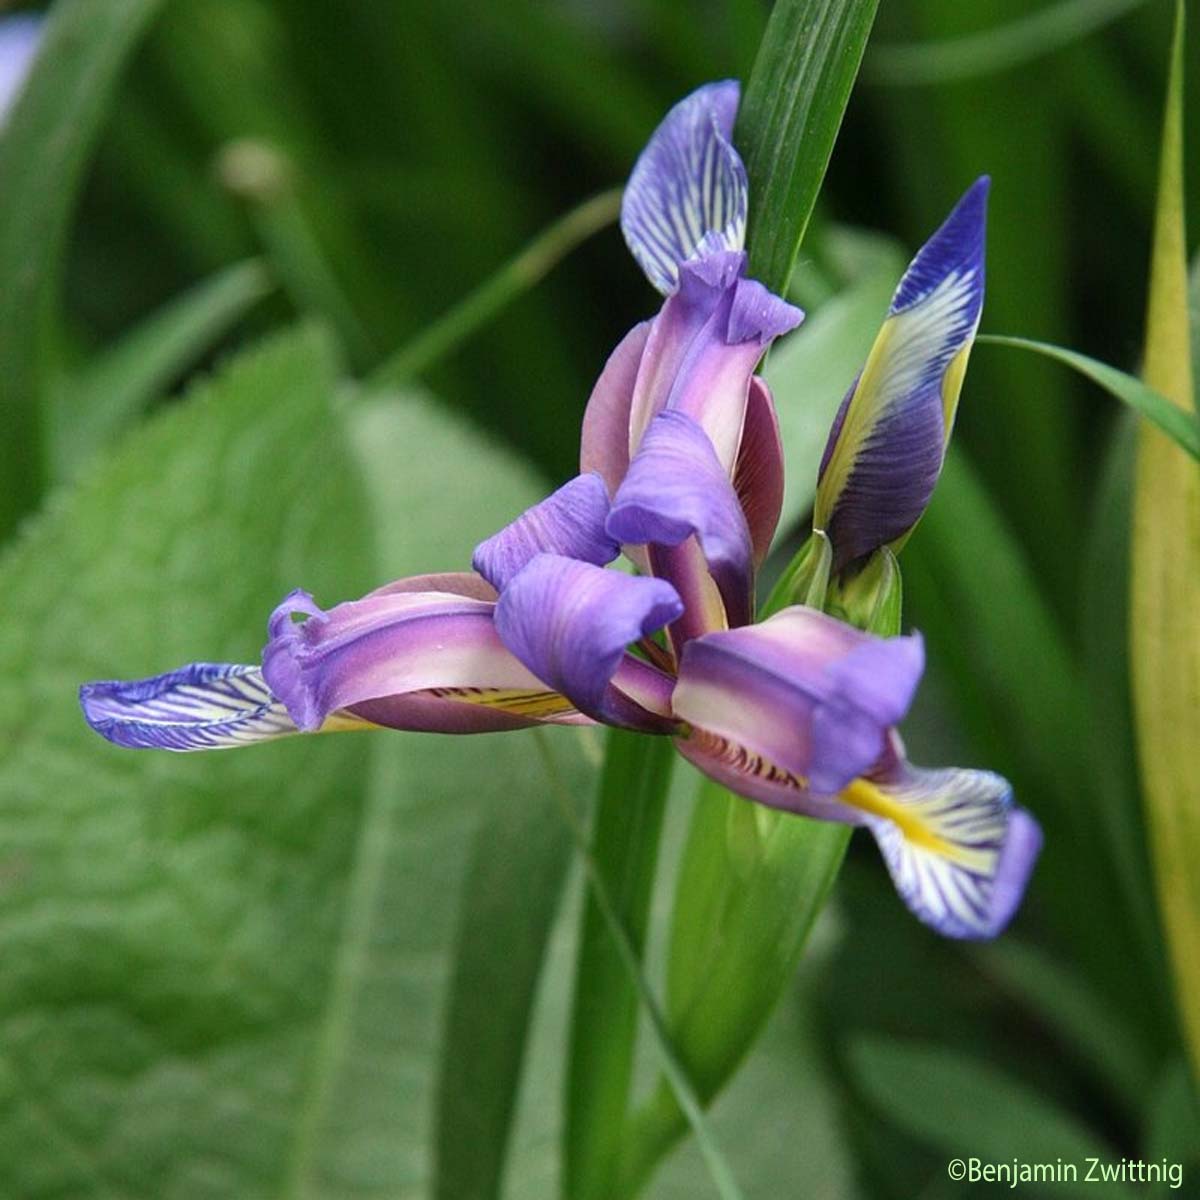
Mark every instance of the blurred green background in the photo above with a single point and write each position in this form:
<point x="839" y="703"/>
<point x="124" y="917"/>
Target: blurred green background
<point x="232" y="980"/>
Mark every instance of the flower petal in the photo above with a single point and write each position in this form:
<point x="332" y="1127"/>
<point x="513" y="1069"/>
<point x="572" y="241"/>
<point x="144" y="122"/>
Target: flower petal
<point x="801" y="696"/>
<point x="410" y="660"/>
<point x="758" y="473"/>
<point x="604" y="443"/>
<point x="886" y="447"/>
<point x="688" y="186"/>
<point x="203" y="706"/>
<point x="676" y="489"/>
<point x="959" y="852"/>
<point x="20" y="37"/>
<point x="569" y="522"/>
<point x="570" y="622"/>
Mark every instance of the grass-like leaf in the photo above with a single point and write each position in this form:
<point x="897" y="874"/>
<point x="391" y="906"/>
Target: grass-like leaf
<point x="43" y="151"/>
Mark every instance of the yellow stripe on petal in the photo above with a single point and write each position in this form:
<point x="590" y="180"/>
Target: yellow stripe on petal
<point x="534" y="704"/>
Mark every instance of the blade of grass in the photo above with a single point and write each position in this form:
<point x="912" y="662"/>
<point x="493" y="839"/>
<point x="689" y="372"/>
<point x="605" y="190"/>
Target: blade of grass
<point x="43" y="151"/>
<point x="1023" y="40"/>
<point x="789" y="120"/>
<point x="1178" y="424"/>
<point x="1165" y="595"/>
<point x="94" y="406"/>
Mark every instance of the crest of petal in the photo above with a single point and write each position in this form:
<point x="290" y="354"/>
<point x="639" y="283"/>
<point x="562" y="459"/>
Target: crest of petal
<point x="688" y="186"/>
<point x="203" y="706"/>
<point x="886" y="447"/>
<point x="569" y="623"/>
<point x="604" y="441"/>
<point x="419" y="647"/>
<point x="758" y="473"/>
<point x="569" y="522"/>
<point x="676" y="488"/>
<point x="958" y="850"/>
<point x="800" y="694"/>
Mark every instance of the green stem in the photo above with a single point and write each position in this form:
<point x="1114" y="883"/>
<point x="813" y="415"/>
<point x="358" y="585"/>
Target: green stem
<point x="673" y="1070"/>
<point x="518" y="275"/>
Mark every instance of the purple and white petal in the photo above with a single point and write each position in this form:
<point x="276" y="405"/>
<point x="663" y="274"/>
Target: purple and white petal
<point x="569" y="522"/>
<point x="958" y="850"/>
<point x="802" y="694"/>
<point x="365" y="655"/>
<point x="677" y="489"/>
<point x="570" y="622"/>
<point x="758" y="473"/>
<point x="887" y="444"/>
<point x="203" y="706"/>
<point x="688" y="186"/>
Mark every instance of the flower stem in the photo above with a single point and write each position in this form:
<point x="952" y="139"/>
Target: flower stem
<point x="518" y="275"/>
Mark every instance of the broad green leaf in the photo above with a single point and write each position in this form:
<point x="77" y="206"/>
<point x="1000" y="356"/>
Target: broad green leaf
<point x="1179" y="425"/>
<point x="1173" y="1124"/>
<point x="1165" y="595"/>
<point x="968" y="1109"/>
<point x="226" y="974"/>
<point x="812" y="370"/>
<point x="998" y="49"/>
<point x="630" y="805"/>
<point x="789" y="120"/>
<point x="98" y="403"/>
<point x="43" y="150"/>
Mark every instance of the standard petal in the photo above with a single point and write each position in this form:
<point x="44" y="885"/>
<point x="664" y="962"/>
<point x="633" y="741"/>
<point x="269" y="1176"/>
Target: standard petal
<point x="758" y="473"/>
<point x="688" y="186"/>
<point x="203" y="706"/>
<point x="569" y="522"/>
<point x="802" y="696"/>
<point x="959" y="852"/>
<point x="677" y="489"/>
<point x="570" y="623"/>
<point x="604" y="442"/>
<point x="410" y="660"/>
<point x="886" y="447"/>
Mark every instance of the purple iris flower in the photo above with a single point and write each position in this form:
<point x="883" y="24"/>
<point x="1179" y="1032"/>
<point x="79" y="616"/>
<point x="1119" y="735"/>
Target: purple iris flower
<point x="681" y="470"/>
<point x="20" y="37"/>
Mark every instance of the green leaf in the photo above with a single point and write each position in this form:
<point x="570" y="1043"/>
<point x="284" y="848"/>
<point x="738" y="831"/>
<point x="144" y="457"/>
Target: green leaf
<point x="811" y="371"/>
<point x="226" y="974"/>
<point x="96" y="405"/>
<point x="628" y="822"/>
<point x="1165" y="592"/>
<point x="790" y="117"/>
<point x="997" y="49"/>
<point x="968" y="1109"/>
<point x="1179" y="425"/>
<point x="43" y="151"/>
<point x="1173" y="1125"/>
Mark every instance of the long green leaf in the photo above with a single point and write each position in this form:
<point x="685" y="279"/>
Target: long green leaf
<point x="628" y="821"/>
<point x="1165" y="585"/>
<point x="970" y="1110"/>
<point x="97" y="404"/>
<point x="1019" y="41"/>
<point x="43" y="151"/>
<point x="790" y="117"/>
<point x="1177" y="423"/>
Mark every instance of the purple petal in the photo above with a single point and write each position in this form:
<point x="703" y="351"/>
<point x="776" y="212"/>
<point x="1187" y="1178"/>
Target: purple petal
<point x="569" y="522"/>
<point x="203" y="706"/>
<point x="758" y="473"/>
<point x="391" y="655"/>
<point x="886" y="447"/>
<point x="959" y="852"/>
<point x="688" y="187"/>
<point x="570" y="622"/>
<point x="702" y="351"/>
<point x="20" y="37"/>
<point x="676" y="489"/>
<point x="604" y="444"/>
<point x="800" y="694"/>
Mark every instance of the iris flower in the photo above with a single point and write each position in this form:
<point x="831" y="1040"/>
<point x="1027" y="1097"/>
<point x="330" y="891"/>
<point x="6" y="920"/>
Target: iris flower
<point x="682" y="470"/>
<point x="20" y="37"/>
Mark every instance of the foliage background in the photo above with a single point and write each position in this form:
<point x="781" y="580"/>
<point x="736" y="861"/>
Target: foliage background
<point x="232" y="979"/>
